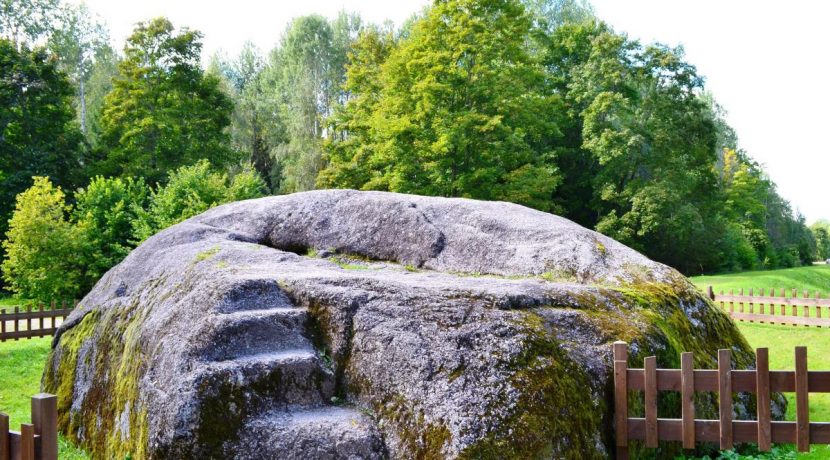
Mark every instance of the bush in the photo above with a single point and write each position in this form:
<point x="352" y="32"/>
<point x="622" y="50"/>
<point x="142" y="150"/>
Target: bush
<point x="42" y="246"/>
<point x="57" y="251"/>
<point x="103" y="216"/>
<point x="192" y="190"/>
<point x="738" y="252"/>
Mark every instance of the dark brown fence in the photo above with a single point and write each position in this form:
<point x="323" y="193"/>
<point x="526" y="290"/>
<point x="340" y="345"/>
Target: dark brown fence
<point x="37" y="440"/>
<point x="792" y="310"/>
<point x="31" y="321"/>
<point x="725" y="381"/>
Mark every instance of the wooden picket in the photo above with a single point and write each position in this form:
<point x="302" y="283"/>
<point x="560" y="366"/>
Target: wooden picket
<point x="10" y="322"/>
<point x="741" y="307"/>
<point x="725" y="381"/>
<point x="37" y="440"/>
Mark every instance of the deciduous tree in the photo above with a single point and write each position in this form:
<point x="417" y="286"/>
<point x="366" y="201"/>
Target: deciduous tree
<point x="163" y="111"/>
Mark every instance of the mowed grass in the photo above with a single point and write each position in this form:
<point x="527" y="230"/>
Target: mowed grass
<point x="782" y="340"/>
<point x="813" y="278"/>
<point x="21" y="368"/>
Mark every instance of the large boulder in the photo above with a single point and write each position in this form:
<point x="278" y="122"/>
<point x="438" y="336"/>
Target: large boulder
<point x="345" y="324"/>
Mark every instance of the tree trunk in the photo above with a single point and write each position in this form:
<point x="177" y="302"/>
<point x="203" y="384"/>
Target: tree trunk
<point x="83" y="106"/>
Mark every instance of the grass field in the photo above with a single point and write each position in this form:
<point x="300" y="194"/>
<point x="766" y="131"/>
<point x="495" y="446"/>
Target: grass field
<point x="813" y="278"/>
<point x="781" y="340"/>
<point x="22" y="366"/>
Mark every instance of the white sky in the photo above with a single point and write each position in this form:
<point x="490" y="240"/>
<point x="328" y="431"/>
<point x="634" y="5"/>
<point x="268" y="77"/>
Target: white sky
<point x="765" y="62"/>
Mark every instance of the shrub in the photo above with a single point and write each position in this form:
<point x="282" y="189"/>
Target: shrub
<point x="42" y="246"/>
<point x="103" y="216"/>
<point x="191" y="190"/>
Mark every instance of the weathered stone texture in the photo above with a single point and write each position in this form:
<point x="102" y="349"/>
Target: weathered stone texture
<point x="344" y="324"/>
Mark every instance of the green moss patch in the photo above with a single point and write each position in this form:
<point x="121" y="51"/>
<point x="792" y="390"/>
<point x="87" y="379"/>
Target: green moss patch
<point x="555" y="416"/>
<point x="111" y="422"/>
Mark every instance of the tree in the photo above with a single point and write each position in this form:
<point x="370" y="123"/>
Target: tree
<point x="77" y="41"/>
<point x="98" y="85"/>
<point x="191" y="190"/>
<point x="463" y="110"/>
<point x="303" y="83"/>
<point x="641" y="144"/>
<point x="103" y="216"/>
<point x="251" y="119"/>
<point x="41" y="260"/>
<point x="821" y="234"/>
<point x="163" y="111"/>
<point x="26" y="22"/>
<point x="350" y="147"/>
<point x="37" y="133"/>
<point x="552" y="14"/>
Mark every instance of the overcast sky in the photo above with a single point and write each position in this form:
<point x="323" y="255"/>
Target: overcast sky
<point x="765" y="62"/>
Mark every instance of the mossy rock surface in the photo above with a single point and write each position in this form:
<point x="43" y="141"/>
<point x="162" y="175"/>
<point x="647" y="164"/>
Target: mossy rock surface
<point x="470" y="330"/>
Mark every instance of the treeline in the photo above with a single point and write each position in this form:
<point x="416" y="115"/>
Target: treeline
<point x="535" y="102"/>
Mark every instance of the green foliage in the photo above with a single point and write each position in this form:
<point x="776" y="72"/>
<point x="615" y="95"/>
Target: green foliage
<point x="462" y="110"/>
<point x="37" y="133"/>
<point x="27" y="21"/>
<point x="77" y="42"/>
<point x="243" y="82"/>
<point x="348" y="154"/>
<point x="191" y="190"/>
<point x="163" y="111"/>
<point x="55" y="250"/>
<point x="103" y="216"/>
<point x="302" y="85"/>
<point x="821" y="234"/>
<point x="42" y="246"/>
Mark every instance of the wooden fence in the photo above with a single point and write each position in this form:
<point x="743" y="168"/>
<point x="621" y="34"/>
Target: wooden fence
<point x="30" y="322"/>
<point x="37" y="440"/>
<point x="725" y="381"/>
<point x="743" y="307"/>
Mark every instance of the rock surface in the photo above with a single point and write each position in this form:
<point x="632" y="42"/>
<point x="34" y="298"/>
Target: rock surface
<point x="363" y="325"/>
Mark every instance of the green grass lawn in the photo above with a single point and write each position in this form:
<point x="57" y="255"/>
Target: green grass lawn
<point x="21" y="367"/>
<point x="813" y="278"/>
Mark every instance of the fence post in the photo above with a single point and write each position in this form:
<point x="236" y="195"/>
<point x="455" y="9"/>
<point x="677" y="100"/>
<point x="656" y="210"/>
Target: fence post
<point x="41" y="319"/>
<point x="731" y="302"/>
<point x="687" y="401"/>
<point x="711" y="292"/>
<point x="2" y="330"/>
<point x="45" y="420"/>
<point x="27" y="441"/>
<point x="802" y="410"/>
<point x="621" y="398"/>
<point x="4" y="436"/>
<point x="650" y="399"/>
<point x="725" y="397"/>
<point x="741" y="302"/>
<point x="763" y="398"/>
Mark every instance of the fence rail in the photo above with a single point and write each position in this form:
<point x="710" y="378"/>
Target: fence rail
<point x="725" y="381"/>
<point x="31" y="322"/>
<point x="37" y="440"/>
<point x="743" y="307"/>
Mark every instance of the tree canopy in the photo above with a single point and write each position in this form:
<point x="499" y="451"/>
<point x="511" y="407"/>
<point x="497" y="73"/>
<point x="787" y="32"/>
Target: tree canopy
<point x="163" y="111"/>
<point x="536" y="102"/>
<point x="38" y="136"/>
<point x="462" y="109"/>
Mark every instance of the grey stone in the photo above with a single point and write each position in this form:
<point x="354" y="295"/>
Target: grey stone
<point x="431" y="328"/>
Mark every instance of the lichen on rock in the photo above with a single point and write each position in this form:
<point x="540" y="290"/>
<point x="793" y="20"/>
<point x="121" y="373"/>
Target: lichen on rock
<point x="344" y="324"/>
